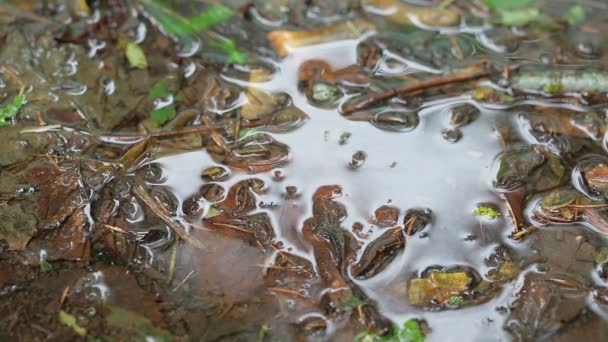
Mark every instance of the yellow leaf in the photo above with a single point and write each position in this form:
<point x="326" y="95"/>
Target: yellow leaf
<point x="136" y="56"/>
<point x="82" y="7"/>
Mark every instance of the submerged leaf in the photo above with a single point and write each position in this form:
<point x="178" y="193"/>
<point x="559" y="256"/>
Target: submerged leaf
<point x="45" y="266"/>
<point x="352" y="302"/>
<point x="438" y="287"/>
<point x="161" y="115"/>
<point x="178" y="25"/>
<point x="10" y="110"/>
<point x="136" y="324"/>
<point x="520" y="17"/>
<point x="506" y="4"/>
<point x="18" y="226"/>
<point x="229" y="47"/>
<point x="410" y="331"/>
<point x="183" y="27"/>
<point x="602" y="256"/>
<point x="70" y="321"/>
<point x="575" y="15"/>
<point x="135" y="56"/>
<point x="159" y="90"/>
<point x="212" y="212"/>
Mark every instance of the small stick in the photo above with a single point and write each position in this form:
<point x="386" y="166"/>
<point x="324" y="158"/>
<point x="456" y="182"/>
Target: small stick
<point x="568" y="283"/>
<point x="456" y="46"/>
<point x="431" y="83"/>
<point x="237" y="129"/>
<point x="161" y="212"/>
<point x="183" y="281"/>
<point x="133" y="137"/>
<point x="118" y="229"/>
<point x="64" y="295"/>
<point x="287" y="292"/>
<point x="586" y="206"/>
<point x="282" y="268"/>
<point x="40" y="120"/>
<point x="12" y="75"/>
<point x="231" y="226"/>
<point x="196" y="226"/>
<point x="520" y="234"/>
<point x="172" y="264"/>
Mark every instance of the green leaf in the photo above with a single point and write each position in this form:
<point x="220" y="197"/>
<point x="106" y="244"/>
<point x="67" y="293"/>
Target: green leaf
<point x="456" y="300"/>
<point x="136" y="324"/>
<point x="160" y="116"/>
<point x="70" y="321"/>
<point x="214" y="15"/>
<point x="229" y="47"/>
<point x="180" y="26"/>
<point x="45" y="266"/>
<point x="10" y="110"/>
<point x="135" y="56"/>
<point x="575" y="15"/>
<point x="159" y="90"/>
<point x="506" y="4"/>
<point x="486" y="212"/>
<point x="555" y="88"/>
<point x="212" y="212"/>
<point x="344" y="138"/>
<point x="519" y="17"/>
<point x="177" y="25"/>
<point x="262" y="332"/>
<point x="352" y="302"/>
<point x="602" y="256"/>
<point x="411" y="332"/>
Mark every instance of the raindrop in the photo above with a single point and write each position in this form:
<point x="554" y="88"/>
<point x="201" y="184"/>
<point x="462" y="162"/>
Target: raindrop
<point x="463" y="114"/>
<point x="188" y="48"/>
<point x="153" y="173"/>
<point x="357" y="160"/>
<point x="213" y="192"/>
<point x="590" y="177"/>
<point x="587" y="50"/>
<point x="451" y="135"/>
<point x="396" y="120"/>
<point x="215" y="174"/>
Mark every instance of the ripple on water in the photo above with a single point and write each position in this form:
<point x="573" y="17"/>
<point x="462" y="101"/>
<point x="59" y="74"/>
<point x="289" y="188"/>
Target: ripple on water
<point x="413" y="169"/>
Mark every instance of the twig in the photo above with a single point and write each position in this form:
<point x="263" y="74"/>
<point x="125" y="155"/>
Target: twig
<point x="64" y="295"/>
<point x="568" y="283"/>
<point x="287" y="292"/>
<point x="431" y="83"/>
<point x="231" y="226"/>
<point x="134" y="137"/>
<point x="118" y="229"/>
<point x="183" y="281"/>
<point x="12" y="75"/>
<point x="172" y="264"/>
<point x="161" y="212"/>
<point x="520" y="234"/>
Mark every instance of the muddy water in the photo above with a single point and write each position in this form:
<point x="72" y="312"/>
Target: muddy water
<point x="491" y="231"/>
<point x="407" y="170"/>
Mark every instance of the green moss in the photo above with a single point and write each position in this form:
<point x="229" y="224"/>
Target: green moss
<point x="486" y="212"/>
<point x="554" y="88"/>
